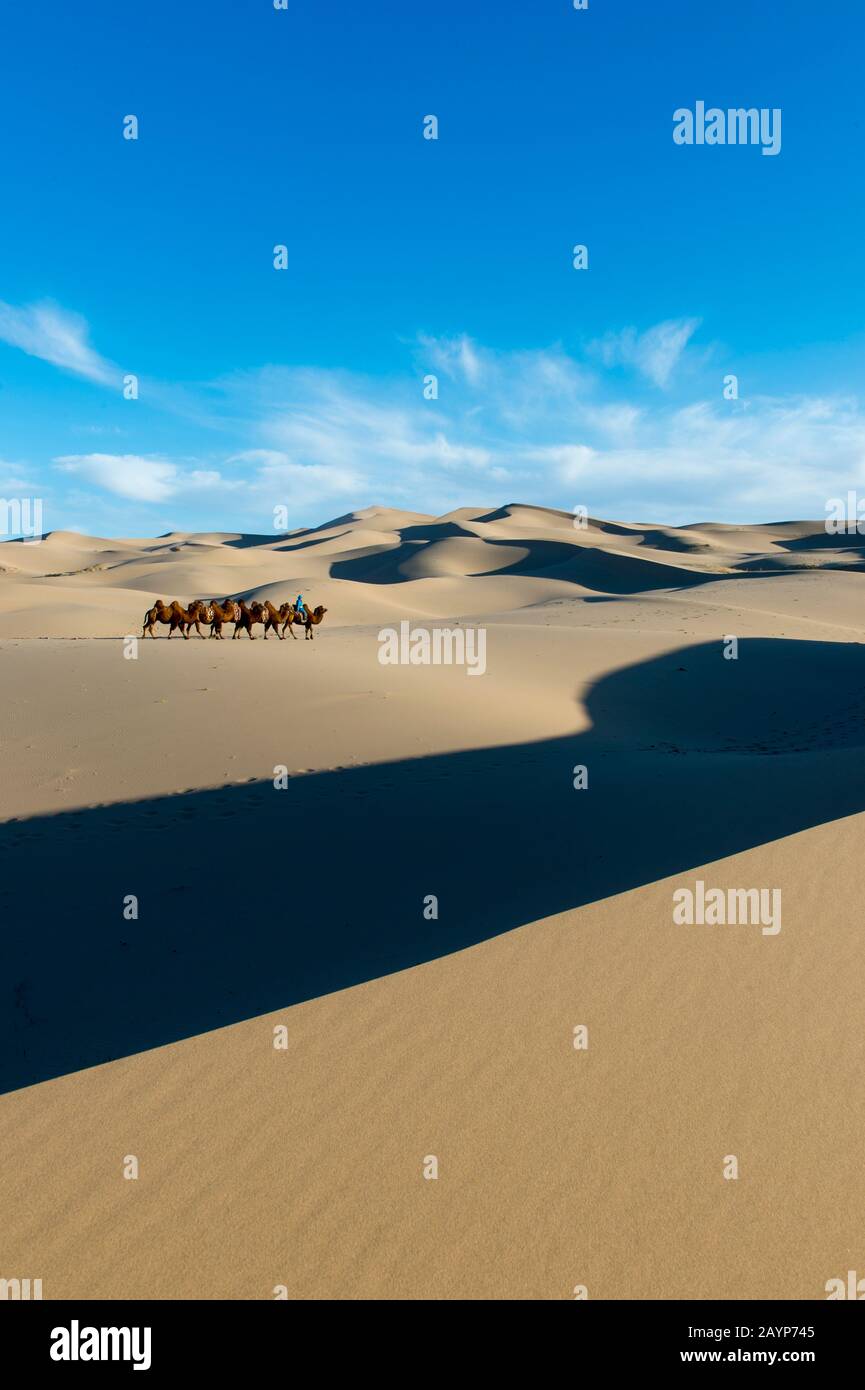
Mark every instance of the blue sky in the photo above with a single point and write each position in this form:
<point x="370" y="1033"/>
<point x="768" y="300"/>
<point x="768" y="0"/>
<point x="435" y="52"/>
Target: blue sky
<point x="304" y="387"/>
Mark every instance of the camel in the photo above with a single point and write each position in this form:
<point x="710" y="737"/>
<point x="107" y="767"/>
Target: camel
<point x="312" y="619"/>
<point x="266" y="614"/>
<point x="243" y="615"/>
<point x="240" y="620"/>
<point x="199" y="612"/>
<point x="172" y="614"/>
<point x="275" y="616"/>
<point x="185" y="617"/>
<point x="227" y="612"/>
<point x="249" y="616"/>
<point x="159" y="613"/>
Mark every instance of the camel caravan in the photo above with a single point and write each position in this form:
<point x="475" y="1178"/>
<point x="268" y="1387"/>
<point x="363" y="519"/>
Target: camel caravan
<point x="244" y="616"/>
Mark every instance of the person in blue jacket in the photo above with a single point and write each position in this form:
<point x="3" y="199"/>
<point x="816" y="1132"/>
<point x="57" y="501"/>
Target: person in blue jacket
<point x="300" y="608"/>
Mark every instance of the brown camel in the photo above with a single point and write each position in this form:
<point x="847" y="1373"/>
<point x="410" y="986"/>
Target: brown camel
<point x="250" y="614"/>
<point x="311" y="620"/>
<point x="159" y="613"/>
<point x="184" y="618"/>
<point x="172" y="614"/>
<point x="240" y="624"/>
<point x="275" y="616"/>
<point x="199" y="612"/>
<point x="226" y="612"/>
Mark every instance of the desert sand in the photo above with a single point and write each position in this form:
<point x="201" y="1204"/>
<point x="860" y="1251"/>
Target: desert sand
<point x="302" y="907"/>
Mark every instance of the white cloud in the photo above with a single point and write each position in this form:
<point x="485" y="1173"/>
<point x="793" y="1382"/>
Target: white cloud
<point x="205" y="477"/>
<point x="14" y="481"/>
<point x="572" y="462"/>
<point x="655" y="353"/>
<point x="276" y="471"/>
<point x="139" y="478"/>
<point x="774" y="459"/>
<point x="537" y="423"/>
<point x="126" y="475"/>
<point x="301" y="481"/>
<point x="57" y="336"/>
<point x="541" y="423"/>
<point x="358" y="433"/>
<point x="456" y="357"/>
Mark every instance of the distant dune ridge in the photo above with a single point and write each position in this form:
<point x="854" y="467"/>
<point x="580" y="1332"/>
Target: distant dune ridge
<point x="285" y="813"/>
<point x="369" y="563"/>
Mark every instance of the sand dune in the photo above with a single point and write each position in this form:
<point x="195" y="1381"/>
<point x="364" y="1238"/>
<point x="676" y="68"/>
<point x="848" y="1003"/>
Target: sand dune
<point x="349" y="560"/>
<point x="303" y="905"/>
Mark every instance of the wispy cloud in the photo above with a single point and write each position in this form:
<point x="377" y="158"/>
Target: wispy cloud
<point x="279" y="478"/>
<point x="15" y="479"/>
<point x="777" y="459"/>
<point x="357" y="433"/>
<point x="57" y="336"/>
<point x="655" y="353"/>
<point x="539" y="424"/>
<point x="456" y="357"/>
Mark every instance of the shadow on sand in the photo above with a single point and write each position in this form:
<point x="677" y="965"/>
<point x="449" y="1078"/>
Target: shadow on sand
<point x="603" y="570"/>
<point x="690" y="758"/>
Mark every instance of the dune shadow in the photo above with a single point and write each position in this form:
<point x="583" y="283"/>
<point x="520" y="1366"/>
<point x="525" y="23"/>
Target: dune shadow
<point x="285" y="549"/>
<point x="657" y="538"/>
<point x="825" y="540"/>
<point x="605" y="571"/>
<point x="384" y="564"/>
<point x="775" y="564"/>
<point x="690" y="758"/>
<point x="848" y="550"/>
<point x="251" y="541"/>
